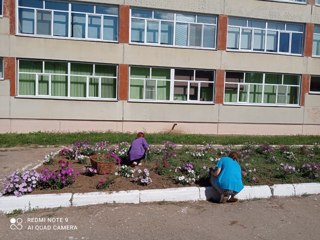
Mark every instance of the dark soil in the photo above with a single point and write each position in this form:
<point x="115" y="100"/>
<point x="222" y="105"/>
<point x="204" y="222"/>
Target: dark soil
<point x="85" y="183"/>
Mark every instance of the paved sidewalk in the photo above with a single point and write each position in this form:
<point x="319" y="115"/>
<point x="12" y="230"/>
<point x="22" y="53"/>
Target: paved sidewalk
<point x="12" y="159"/>
<point x="267" y="219"/>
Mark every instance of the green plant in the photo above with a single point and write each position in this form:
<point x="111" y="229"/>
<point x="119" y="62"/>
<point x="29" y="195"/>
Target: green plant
<point x="105" y="183"/>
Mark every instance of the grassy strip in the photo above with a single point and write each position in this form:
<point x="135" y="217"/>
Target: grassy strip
<point x="45" y="138"/>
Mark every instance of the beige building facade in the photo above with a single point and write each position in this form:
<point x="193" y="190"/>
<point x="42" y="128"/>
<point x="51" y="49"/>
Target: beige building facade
<point x="208" y="67"/>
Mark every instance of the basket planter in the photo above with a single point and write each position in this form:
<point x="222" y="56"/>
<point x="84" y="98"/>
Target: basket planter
<point x="103" y="167"/>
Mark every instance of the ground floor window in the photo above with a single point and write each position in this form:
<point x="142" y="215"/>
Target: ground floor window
<point x="57" y="79"/>
<point x="315" y="84"/>
<point x="168" y="84"/>
<point x="1" y="68"/>
<point x="256" y="88"/>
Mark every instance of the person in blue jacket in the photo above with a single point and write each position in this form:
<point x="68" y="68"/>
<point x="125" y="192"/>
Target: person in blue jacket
<point x="226" y="179"/>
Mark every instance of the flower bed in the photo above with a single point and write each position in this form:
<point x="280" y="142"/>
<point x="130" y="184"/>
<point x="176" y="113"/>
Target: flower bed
<point x="69" y="170"/>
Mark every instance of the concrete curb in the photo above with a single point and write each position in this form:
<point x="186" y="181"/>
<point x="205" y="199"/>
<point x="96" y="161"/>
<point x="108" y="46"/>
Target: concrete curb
<point x="39" y="201"/>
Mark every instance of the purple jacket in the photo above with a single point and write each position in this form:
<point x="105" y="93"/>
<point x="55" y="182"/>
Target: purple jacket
<point x="138" y="148"/>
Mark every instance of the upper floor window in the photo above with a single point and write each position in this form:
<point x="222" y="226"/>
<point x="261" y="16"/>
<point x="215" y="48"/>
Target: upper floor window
<point x="265" y="36"/>
<point x="1" y="69"/>
<point x="256" y="88"/>
<point x="315" y="84"/>
<point x="157" y="27"/>
<point x="57" y="79"/>
<point x="171" y="85"/>
<point x="318" y="2"/>
<point x="316" y="41"/>
<point x="1" y="7"/>
<point x="68" y="20"/>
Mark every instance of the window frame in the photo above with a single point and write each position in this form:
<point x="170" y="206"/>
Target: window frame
<point x="263" y="84"/>
<point x="267" y="32"/>
<point x="317" y="2"/>
<point x="314" y="92"/>
<point x="292" y="1"/>
<point x="1" y="68"/>
<point x="68" y="76"/>
<point x="313" y="40"/>
<point x="69" y="22"/>
<point x="172" y="82"/>
<point x="1" y="8"/>
<point x="174" y="22"/>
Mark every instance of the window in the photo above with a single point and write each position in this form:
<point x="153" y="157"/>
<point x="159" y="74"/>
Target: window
<point x="316" y="41"/>
<point x="315" y="84"/>
<point x="55" y="79"/>
<point x="257" y="88"/>
<point x="1" y="69"/>
<point x="1" y="7"/>
<point x="157" y="27"/>
<point x="317" y="2"/>
<point x="294" y="1"/>
<point x="173" y="85"/>
<point x="68" y="20"/>
<point x="265" y="36"/>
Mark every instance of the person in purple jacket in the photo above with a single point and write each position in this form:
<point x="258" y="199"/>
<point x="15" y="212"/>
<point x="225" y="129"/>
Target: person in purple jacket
<point x="138" y="149"/>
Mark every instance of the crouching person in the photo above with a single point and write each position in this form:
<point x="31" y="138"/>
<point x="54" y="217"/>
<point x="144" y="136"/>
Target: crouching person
<point x="226" y="178"/>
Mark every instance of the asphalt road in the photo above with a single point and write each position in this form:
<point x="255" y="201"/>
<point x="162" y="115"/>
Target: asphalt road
<point x="272" y="219"/>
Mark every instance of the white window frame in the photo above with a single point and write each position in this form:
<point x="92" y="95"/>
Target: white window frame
<point x="68" y="75"/>
<point x="172" y="81"/>
<point x="69" y="23"/>
<point x="263" y="84"/>
<point x="1" y="69"/>
<point x="174" y="21"/>
<point x="266" y="31"/>
<point x="315" y="34"/>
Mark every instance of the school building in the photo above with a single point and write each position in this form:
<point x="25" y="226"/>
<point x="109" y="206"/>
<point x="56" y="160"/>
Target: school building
<point x="187" y="66"/>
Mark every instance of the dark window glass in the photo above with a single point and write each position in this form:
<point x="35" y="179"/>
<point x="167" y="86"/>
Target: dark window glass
<point x="315" y="84"/>
<point x="33" y="3"/>
<point x="296" y="45"/>
<point x="57" y="5"/>
<point x="78" y="7"/>
<point x="181" y="74"/>
<point x="284" y="42"/>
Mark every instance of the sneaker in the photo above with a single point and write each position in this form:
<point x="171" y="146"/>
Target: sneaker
<point x="224" y="198"/>
<point x="134" y="163"/>
<point x="139" y="164"/>
<point x="232" y="199"/>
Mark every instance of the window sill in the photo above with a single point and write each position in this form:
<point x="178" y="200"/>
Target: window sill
<point x="171" y="102"/>
<point x="262" y="105"/>
<point x="65" y="38"/>
<point x="66" y="98"/>
<point x="171" y="46"/>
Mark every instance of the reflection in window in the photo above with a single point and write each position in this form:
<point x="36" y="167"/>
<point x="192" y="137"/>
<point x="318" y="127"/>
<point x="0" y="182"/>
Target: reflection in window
<point x="54" y="18"/>
<point x="162" y="27"/>
<point x="178" y="85"/>
<point x="1" y="7"/>
<point x="316" y="41"/>
<point x="265" y="36"/>
<point x="1" y="69"/>
<point x="262" y="88"/>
